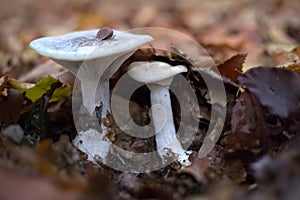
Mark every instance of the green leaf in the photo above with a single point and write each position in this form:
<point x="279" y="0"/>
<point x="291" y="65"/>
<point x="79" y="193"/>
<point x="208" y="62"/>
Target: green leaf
<point x="61" y="93"/>
<point x="36" y="91"/>
<point x="35" y="122"/>
<point x="20" y="86"/>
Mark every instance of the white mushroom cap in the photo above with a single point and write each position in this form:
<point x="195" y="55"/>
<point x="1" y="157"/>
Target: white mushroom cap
<point x="81" y="45"/>
<point x="154" y="72"/>
<point x="91" y="55"/>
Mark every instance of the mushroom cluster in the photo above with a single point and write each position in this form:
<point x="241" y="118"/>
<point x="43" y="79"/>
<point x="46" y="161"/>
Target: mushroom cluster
<point x="94" y="56"/>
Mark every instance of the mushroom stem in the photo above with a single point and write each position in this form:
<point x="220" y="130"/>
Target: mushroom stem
<point x="94" y="94"/>
<point x="95" y="86"/>
<point x="103" y="96"/>
<point x="158" y="76"/>
<point x="163" y="121"/>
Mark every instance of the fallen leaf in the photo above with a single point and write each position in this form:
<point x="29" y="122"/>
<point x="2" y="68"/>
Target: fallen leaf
<point x="11" y="107"/>
<point x="279" y="175"/>
<point x="21" y="86"/>
<point x="288" y="59"/>
<point x="42" y="70"/>
<point x="35" y="91"/>
<point x="35" y="122"/>
<point x="232" y="67"/>
<point x="250" y="134"/>
<point x="277" y="89"/>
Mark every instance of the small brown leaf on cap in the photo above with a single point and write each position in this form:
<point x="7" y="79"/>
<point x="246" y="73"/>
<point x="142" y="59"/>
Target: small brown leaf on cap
<point x="104" y="33"/>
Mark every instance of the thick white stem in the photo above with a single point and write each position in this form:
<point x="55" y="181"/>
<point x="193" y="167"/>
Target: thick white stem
<point x="103" y="96"/>
<point x="88" y="89"/>
<point x="166" y="138"/>
<point x="72" y="66"/>
<point x="103" y="92"/>
<point x="94" y="76"/>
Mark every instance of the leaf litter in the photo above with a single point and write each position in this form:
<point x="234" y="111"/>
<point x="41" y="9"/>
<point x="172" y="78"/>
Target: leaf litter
<point x="257" y="155"/>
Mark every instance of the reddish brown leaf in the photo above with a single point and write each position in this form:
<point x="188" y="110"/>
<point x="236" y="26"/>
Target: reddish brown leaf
<point x="286" y="58"/>
<point x="232" y="67"/>
<point x="295" y="67"/>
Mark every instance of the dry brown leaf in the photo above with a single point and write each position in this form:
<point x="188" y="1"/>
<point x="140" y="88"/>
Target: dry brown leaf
<point x="295" y="67"/>
<point x="285" y="58"/>
<point x="232" y="67"/>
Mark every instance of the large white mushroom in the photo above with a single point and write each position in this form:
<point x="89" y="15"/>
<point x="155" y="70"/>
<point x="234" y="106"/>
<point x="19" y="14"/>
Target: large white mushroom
<point x="103" y="51"/>
<point x="93" y="55"/>
<point x="158" y="76"/>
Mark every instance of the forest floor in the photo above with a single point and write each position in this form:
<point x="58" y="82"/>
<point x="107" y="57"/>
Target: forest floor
<point x="257" y="155"/>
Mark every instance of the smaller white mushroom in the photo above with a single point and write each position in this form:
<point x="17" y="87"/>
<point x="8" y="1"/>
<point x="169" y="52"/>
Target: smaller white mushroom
<point x="158" y="76"/>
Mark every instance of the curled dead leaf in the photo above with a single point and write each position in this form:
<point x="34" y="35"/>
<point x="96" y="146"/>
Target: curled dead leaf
<point x="232" y="67"/>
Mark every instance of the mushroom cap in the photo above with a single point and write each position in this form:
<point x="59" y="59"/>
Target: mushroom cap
<point x="154" y="72"/>
<point x="81" y="45"/>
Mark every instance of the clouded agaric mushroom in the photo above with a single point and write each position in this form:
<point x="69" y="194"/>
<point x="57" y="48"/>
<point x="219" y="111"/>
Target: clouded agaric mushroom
<point x="102" y="51"/>
<point x="158" y="77"/>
